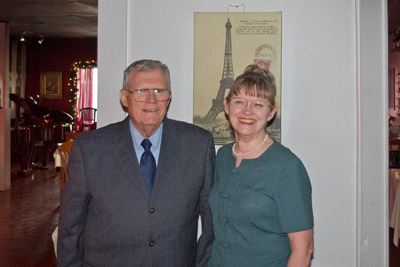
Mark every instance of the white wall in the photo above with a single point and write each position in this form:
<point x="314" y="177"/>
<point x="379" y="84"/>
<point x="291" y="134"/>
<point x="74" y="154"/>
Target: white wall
<point x="112" y="59"/>
<point x="323" y="106"/>
<point x="372" y="133"/>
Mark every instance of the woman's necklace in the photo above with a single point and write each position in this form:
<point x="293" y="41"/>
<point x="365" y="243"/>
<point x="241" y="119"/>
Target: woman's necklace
<point x="245" y="153"/>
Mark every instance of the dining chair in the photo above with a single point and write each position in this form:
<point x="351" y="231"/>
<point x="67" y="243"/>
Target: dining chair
<point x="61" y="156"/>
<point x="72" y="135"/>
<point x="63" y="151"/>
<point x="88" y="118"/>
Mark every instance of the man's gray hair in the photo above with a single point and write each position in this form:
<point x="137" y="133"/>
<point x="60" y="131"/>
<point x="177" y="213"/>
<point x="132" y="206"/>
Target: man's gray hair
<point x="146" y="65"/>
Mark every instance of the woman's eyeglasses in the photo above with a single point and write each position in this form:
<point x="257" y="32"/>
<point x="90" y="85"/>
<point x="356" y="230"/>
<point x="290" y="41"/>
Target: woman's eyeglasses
<point x="257" y="105"/>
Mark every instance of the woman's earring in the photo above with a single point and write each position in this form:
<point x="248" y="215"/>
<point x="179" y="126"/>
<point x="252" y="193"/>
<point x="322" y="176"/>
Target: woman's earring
<point x="227" y="111"/>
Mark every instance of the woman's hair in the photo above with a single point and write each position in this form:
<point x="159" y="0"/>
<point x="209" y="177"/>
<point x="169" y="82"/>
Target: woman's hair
<point x="146" y="65"/>
<point x="255" y="81"/>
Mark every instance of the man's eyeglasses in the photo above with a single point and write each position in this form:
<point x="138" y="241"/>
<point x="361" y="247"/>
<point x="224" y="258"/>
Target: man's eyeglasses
<point x="142" y="95"/>
<point x="257" y="105"/>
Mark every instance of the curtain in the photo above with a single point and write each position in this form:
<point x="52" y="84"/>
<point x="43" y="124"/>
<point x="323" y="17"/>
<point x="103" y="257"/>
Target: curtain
<point x="84" y="94"/>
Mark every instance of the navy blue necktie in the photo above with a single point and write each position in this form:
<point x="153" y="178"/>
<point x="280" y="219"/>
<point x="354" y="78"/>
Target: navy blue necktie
<point x="148" y="165"/>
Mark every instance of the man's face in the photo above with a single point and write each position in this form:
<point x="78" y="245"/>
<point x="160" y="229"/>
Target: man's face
<point x="145" y="116"/>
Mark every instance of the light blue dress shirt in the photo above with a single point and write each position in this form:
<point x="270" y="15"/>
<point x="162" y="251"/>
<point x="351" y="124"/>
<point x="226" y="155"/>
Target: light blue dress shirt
<point x="155" y="140"/>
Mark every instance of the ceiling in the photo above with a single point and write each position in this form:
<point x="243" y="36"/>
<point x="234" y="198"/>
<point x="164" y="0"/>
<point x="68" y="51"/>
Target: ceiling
<point x="393" y="15"/>
<point x="78" y="18"/>
<point x="50" y="18"/>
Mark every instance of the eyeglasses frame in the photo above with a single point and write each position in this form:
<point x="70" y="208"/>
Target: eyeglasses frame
<point x="148" y="94"/>
<point x="247" y="103"/>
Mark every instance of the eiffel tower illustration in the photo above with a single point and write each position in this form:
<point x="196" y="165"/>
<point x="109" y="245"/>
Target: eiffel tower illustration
<point x="227" y="77"/>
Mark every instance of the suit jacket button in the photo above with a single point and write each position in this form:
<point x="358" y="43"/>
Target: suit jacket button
<point x="152" y="210"/>
<point x="151" y="243"/>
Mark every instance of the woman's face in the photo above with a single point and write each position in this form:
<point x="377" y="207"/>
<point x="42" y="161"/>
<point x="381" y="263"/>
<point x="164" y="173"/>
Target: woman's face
<point x="249" y="115"/>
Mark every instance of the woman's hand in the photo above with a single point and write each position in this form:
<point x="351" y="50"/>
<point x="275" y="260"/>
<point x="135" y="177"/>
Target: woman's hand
<point x="302" y="245"/>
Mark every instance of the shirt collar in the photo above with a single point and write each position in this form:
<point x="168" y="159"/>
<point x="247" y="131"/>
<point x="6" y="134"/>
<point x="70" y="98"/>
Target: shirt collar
<point x="137" y="138"/>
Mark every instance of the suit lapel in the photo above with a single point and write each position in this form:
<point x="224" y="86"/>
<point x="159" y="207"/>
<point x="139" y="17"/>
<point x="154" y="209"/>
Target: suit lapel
<point x="125" y="155"/>
<point x="169" y="155"/>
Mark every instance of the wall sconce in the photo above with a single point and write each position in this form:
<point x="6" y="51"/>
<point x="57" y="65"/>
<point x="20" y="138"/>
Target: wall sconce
<point x="40" y="41"/>
<point x="22" y="37"/>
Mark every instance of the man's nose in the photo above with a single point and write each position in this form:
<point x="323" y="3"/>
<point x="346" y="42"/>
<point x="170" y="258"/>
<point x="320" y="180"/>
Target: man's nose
<point x="151" y="96"/>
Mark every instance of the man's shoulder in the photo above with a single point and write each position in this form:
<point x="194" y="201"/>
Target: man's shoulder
<point x="184" y="127"/>
<point x="105" y="132"/>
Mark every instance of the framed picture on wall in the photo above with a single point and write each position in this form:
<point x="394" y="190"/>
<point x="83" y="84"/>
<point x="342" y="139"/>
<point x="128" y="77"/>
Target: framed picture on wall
<point x="225" y="43"/>
<point x="51" y="85"/>
<point x="1" y="91"/>
<point x="391" y="92"/>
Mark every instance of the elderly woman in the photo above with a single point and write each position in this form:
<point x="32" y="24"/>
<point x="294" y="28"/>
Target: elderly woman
<point x="261" y="199"/>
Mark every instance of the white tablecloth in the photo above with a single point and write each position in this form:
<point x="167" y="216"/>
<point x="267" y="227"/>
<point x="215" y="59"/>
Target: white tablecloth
<point x="57" y="158"/>
<point x="394" y="203"/>
<point x="54" y="237"/>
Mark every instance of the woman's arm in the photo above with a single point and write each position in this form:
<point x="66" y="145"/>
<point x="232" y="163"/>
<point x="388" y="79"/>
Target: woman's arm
<point x="302" y="245"/>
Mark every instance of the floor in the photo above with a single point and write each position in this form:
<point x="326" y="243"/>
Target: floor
<point x="29" y="214"/>
<point x="394" y="252"/>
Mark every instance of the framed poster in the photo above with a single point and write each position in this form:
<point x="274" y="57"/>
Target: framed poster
<point x="224" y="45"/>
<point x="51" y="85"/>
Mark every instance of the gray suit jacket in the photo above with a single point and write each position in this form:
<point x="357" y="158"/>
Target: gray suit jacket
<point x="107" y="217"/>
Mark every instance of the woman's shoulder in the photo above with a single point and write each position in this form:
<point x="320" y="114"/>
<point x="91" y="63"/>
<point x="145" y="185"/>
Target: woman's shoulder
<point x="287" y="162"/>
<point x="282" y="152"/>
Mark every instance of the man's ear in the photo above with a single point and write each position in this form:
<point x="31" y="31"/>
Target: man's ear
<point x="123" y="97"/>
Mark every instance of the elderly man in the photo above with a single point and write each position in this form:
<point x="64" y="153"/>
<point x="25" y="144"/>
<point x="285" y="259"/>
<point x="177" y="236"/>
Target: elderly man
<point x="136" y="188"/>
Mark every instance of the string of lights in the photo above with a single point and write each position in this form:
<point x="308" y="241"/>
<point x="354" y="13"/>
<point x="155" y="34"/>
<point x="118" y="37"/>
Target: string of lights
<point x="74" y="82"/>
